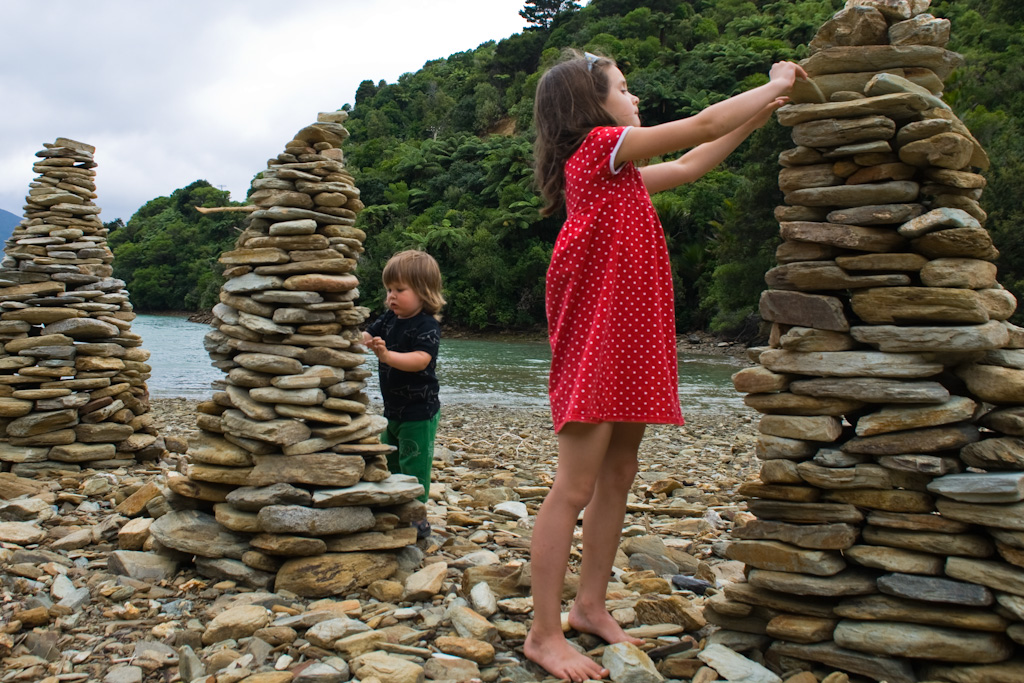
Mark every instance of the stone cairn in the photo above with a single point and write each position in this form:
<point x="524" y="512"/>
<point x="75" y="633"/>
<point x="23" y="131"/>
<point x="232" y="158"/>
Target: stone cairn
<point x="288" y="459"/>
<point x="886" y="535"/>
<point x="72" y="373"/>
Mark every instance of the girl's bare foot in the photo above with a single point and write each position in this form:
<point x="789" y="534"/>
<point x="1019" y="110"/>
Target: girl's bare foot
<point x="560" y="660"/>
<point x="601" y="624"/>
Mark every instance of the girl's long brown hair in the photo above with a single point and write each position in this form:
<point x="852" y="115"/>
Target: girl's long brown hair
<point x="569" y="104"/>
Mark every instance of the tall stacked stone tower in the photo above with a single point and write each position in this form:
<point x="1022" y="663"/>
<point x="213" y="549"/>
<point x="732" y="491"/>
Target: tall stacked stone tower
<point x="72" y="373"/>
<point x="889" y="530"/>
<point x="288" y="459"/>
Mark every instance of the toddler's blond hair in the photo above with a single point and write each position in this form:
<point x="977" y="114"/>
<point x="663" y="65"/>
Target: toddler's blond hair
<point x="419" y="271"/>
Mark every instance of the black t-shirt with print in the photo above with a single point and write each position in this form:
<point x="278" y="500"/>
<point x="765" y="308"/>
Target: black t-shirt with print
<point x="408" y="396"/>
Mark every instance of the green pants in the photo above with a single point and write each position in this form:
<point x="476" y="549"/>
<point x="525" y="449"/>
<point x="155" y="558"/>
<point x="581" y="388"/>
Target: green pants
<point x="415" y="454"/>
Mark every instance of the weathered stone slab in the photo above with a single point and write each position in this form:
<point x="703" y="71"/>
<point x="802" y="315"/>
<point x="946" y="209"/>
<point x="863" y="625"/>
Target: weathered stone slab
<point x="928" y="440"/>
<point x="324" y="469"/>
<point x="997" y="575"/>
<point x="935" y="542"/>
<point x="1005" y="516"/>
<point x="1000" y="453"/>
<point x="826" y="275"/>
<point x="896" y="305"/>
<point x="1006" y="421"/>
<point x="893" y="500"/>
<point x="899" y="418"/>
<point x="877" y="58"/>
<point x="791" y="404"/>
<point x="895" y="106"/>
<point x="282" y="432"/>
<point x="782" y="557"/>
<point x="396" y="489"/>
<point x="872" y="390"/>
<point x="847" y="582"/>
<point x="895" y="559"/>
<point x="992" y="383"/>
<point x="978" y="487"/>
<point x="1003" y="672"/>
<point x="198" y="533"/>
<point x="873" y="666"/>
<point x="850" y="364"/>
<point x="890" y="608"/>
<point x="812" y="536"/>
<point x="805" y="513"/>
<point x="773" y="447"/>
<point x="922" y="642"/>
<point x="934" y="589"/>
<point x="333" y="573"/>
<point x="805" y="310"/>
<point x="844" y="196"/>
<point x="843" y="236"/>
<point x="810" y="428"/>
<point x="875" y="214"/>
<point x="303" y="521"/>
<point x="921" y="339"/>
<point x="928" y="522"/>
<point x="967" y="243"/>
<point x="858" y="477"/>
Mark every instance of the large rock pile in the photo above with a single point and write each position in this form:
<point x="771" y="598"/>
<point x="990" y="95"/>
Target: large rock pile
<point x="288" y="459"/>
<point x="889" y="530"/>
<point x="72" y="373"/>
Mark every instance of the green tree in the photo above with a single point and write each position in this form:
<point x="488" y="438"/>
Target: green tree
<point x="541" y="13"/>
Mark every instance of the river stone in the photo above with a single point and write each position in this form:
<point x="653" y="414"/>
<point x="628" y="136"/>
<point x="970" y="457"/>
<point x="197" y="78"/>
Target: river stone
<point x="1005" y="420"/>
<point x="841" y="123"/>
<point x="288" y="546"/>
<point x="923" y="29"/>
<point x="910" y="339"/>
<point x="324" y="469"/>
<point x="263" y="326"/>
<point x="873" y="666"/>
<point x="927" y="440"/>
<point x="804" y="339"/>
<point x="1004" y="516"/>
<point x="372" y="540"/>
<point x="857" y="477"/>
<point x="805" y="310"/>
<point x="302" y="397"/>
<point x="897" y="418"/>
<point x="875" y="58"/>
<point x="895" y="560"/>
<point x="889" y="608"/>
<point x="792" y="404"/>
<point x="269" y="363"/>
<point x="811" y="428"/>
<point x="755" y="380"/>
<point x="922" y="642"/>
<point x="296" y="519"/>
<point x="21" y="533"/>
<point x="924" y="464"/>
<point x="805" y="513"/>
<point x="251" y="282"/>
<point x="9" y="453"/>
<point x="992" y="383"/>
<point x="38" y="423"/>
<point x="254" y="498"/>
<point x="847" y="582"/>
<point x="236" y="623"/>
<point x="805" y="494"/>
<point x="811" y="536"/>
<point x="783" y="557"/>
<point x="850" y="363"/>
<point x="844" y="196"/>
<point x="815" y="175"/>
<point x="773" y="447"/>
<point x="236" y="520"/>
<point x="933" y="589"/>
<point x="999" y="303"/>
<point x="974" y="243"/>
<point x="825" y="275"/>
<point x="977" y="487"/>
<point x="1003" y="672"/>
<point x="253" y="257"/>
<point x="253" y="409"/>
<point x="896" y="305"/>
<point x="875" y="214"/>
<point x="380" y="666"/>
<point x="198" y="533"/>
<point x="82" y="452"/>
<point x="893" y="501"/>
<point x="937" y="219"/>
<point x="844" y="236"/>
<point x="855" y="25"/>
<point x="999" y="453"/>
<point x="315" y="282"/>
<point x="208" y="448"/>
<point x="396" y="489"/>
<point x="873" y="390"/>
<point x="937" y="542"/>
<point x="282" y="432"/>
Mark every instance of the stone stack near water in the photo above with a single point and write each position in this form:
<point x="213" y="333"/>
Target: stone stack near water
<point x="287" y="484"/>
<point x="887" y="529"/>
<point x="72" y="373"/>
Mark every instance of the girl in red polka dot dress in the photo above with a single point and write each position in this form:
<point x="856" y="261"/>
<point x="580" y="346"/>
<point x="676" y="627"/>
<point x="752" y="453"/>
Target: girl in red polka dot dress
<point x="610" y="317"/>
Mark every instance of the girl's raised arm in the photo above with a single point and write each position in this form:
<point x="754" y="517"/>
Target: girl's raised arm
<point x="703" y="158"/>
<point x="713" y="123"/>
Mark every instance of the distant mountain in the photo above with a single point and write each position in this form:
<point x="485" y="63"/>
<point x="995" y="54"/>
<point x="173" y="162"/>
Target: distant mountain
<point x="7" y="222"/>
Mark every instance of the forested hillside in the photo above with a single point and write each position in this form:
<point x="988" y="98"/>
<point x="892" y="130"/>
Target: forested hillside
<point x="443" y="156"/>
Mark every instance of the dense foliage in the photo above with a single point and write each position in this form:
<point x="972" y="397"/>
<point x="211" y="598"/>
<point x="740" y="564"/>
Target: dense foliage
<point x="443" y="155"/>
<point x="167" y="253"/>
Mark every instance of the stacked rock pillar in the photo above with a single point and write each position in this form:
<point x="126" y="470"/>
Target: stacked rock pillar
<point x="887" y="528"/>
<point x="288" y="459"/>
<point x="72" y="373"/>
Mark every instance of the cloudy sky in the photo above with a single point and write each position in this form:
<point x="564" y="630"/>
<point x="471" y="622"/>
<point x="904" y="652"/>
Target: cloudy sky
<point x="172" y="91"/>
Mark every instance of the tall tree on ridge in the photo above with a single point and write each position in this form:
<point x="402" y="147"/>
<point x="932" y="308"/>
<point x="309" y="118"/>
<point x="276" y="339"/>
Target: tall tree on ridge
<point x="540" y="13"/>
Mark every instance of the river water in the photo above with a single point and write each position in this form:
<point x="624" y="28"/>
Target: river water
<point x="484" y="373"/>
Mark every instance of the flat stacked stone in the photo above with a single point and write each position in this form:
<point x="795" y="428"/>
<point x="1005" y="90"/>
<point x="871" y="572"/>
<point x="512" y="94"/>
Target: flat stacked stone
<point x="72" y="373"/>
<point x="891" y="494"/>
<point x="287" y="483"/>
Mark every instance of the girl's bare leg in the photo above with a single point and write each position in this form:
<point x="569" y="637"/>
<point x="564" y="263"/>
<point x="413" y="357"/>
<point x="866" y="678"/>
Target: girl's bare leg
<point x="581" y="452"/>
<point x="602" y="528"/>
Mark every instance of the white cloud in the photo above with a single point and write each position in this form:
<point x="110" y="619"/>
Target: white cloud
<point x="171" y="92"/>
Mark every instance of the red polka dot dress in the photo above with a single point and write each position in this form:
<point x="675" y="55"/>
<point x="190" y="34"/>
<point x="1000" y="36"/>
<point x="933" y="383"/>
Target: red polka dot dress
<point x="609" y="299"/>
